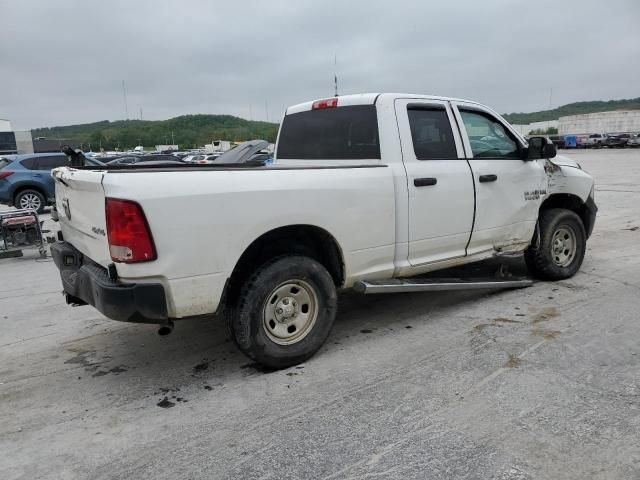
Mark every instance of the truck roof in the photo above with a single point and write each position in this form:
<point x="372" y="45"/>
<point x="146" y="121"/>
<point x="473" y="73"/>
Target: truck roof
<point x="370" y="99"/>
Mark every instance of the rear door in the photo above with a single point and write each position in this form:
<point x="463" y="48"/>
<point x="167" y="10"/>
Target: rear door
<point x="80" y="203"/>
<point x="509" y="190"/>
<point x="440" y="186"/>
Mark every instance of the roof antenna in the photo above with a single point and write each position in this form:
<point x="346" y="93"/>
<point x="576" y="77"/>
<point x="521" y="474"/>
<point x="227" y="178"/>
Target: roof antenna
<point x="124" y="95"/>
<point x="335" y="75"/>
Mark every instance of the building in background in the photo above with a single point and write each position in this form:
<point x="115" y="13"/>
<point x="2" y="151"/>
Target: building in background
<point x="7" y="138"/>
<point x="619" y="121"/>
<point x="52" y="145"/>
<point x="24" y="142"/>
<point x="527" y="129"/>
<point x="21" y="142"/>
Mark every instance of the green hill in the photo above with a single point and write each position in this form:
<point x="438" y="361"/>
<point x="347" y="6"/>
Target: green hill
<point x="188" y="131"/>
<point x="196" y="130"/>
<point x="573" y="109"/>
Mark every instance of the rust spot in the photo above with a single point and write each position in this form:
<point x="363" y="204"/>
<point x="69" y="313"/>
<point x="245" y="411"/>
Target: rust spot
<point x="546" y="334"/>
<point x="480" y="327"/>
<point x="513" y="362"/>
<point x="545" y="315"/>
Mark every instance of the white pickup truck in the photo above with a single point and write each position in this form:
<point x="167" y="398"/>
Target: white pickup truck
<point x="365" y="192"/>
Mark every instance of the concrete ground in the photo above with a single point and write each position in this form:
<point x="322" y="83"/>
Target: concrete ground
<point x="537" y="383"/>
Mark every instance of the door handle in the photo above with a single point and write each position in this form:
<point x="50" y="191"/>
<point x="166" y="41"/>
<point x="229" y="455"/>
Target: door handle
<point x="488" y="178"/>
<point x="424" y="182"/>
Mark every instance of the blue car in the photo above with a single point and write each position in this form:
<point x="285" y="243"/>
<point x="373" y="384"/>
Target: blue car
<point x="26" y="182"/>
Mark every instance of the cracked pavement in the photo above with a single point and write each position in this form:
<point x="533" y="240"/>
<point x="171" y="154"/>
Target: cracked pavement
<point x="538" y="383"/>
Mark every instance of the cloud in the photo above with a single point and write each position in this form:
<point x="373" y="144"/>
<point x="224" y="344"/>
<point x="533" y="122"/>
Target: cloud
<point x="64" y="62"/>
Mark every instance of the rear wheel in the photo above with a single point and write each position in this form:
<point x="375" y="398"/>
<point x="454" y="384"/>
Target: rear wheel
<point x="285" y="312"/>
<point x="561" y="245"/>
<point x="30" y="199"/>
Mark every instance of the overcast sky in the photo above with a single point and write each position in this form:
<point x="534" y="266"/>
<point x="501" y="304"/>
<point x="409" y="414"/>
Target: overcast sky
<point x="63" y="62"/>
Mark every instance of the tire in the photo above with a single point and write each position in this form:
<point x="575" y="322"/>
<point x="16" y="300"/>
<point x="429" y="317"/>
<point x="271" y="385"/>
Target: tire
<point x="285" y="312"/>
<point x="561" y="248"/>
<point x="32" y="199"/>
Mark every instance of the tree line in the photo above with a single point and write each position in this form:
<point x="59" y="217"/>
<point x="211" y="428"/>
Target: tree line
<point x="187" y="131"/>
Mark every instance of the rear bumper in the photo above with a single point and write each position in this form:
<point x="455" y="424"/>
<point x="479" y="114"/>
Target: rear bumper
<point x="85" y="282"/>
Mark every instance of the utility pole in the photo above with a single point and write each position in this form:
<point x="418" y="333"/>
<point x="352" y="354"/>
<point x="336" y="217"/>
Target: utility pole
<point x="335" y="74"/>
<point x="140" y="113"/>
<point x="550" y="100"/>
<point x="173" y="142"/>
<point x="124" y="96"/>
<point x="266" y="109"/>
<point x="250" y="112"/>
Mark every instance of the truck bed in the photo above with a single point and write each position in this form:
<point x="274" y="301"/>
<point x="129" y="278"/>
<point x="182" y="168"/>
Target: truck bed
<point x="202" y="218"/>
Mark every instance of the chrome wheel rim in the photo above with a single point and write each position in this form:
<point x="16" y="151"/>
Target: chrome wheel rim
<point x="563" y="246"/>
<point x="290" y="312"/>
<point x="30" y="201"/>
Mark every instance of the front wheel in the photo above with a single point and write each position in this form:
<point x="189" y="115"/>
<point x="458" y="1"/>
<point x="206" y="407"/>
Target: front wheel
<point x="285" y="312"/>
<point x="561" y="245"/>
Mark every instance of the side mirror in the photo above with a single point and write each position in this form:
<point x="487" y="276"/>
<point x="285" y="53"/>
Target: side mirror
<point x="540" y="147"/>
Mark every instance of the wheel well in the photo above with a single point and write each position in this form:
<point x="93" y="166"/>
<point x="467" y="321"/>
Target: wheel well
<point x="308" y="240"/>
<point x="569" y="202"/>
<point x="22" y="188"/>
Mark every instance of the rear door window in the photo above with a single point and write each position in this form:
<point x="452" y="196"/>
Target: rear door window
<point x="29" y="163"/>
<point x="342" y="133"/>
<point x="431" y="133"/>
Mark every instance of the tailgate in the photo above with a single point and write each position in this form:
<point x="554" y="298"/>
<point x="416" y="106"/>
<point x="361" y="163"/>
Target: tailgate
<point x="80" y="204"/>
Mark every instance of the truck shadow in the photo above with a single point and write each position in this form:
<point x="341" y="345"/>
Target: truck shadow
<point x="199" y="353"/>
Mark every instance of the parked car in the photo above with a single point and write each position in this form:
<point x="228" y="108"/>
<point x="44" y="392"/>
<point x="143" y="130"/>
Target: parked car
<point x="616" y="140"/>
<point x="558" y="141"/>
<point x="595" y="140"/>
<point x="133" y="159"/>
<point x="194" y="157"/>
<point x="202" y="159"/>
<point x="634" y="141"/>
<point x="25" y="180"/>
<point x="366" y="190"/>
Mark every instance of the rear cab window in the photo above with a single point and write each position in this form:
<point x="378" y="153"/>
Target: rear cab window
<point x="340" y="133"/>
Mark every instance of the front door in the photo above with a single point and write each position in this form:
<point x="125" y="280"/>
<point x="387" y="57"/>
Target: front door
<point x="440" y="185"/>
<point x="509" y="190"/>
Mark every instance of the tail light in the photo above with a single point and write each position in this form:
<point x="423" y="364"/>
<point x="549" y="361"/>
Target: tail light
<point x="326" y="103"/>
<point x="128" y="232"/>
<point x="5" y="174"/>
